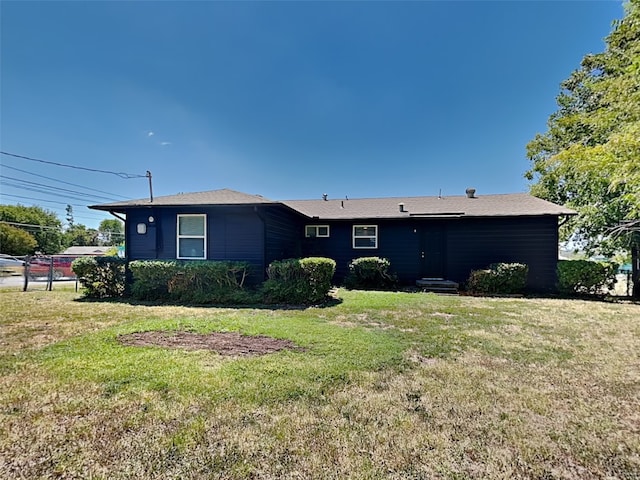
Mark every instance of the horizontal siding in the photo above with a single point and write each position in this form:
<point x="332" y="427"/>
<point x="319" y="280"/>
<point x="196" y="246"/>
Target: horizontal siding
<point x="284" y="232"/>
<point x="233" y="233"/>
<point x="397" y="242"/>
<point x="474" y="244"/>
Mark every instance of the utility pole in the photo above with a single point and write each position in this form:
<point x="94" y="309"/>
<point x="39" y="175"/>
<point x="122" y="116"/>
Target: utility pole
<point x="150" y="186"/>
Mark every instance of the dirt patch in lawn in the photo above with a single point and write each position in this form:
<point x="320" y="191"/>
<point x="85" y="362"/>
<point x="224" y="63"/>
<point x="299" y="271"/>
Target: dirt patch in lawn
<point x="224" y="343"/>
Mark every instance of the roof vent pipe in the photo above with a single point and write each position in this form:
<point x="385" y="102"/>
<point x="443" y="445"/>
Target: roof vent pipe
<point x="401" y="207"/>
<point x="324" y="196"/>
<point x="471" y="192"/>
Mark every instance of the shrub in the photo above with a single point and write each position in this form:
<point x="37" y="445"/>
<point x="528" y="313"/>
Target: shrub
<point x="585" y="277"/>
<point x="299" y="281"/>
<point x="101" y="277"/>
<point x="370" y="273"/>
<point x="500" y="278"/>
<point x="191" y="282"/>
<point x="151" y="278"/>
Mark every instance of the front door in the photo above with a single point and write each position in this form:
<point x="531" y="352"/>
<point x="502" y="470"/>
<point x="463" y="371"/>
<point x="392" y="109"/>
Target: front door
<point x="432" y="250"/>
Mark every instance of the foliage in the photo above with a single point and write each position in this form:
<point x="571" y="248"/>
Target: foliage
<point x="370" y="273"/>
<point x="499" y="278"/>
<point x="197" y="282"/>
<point x="79" y="235"/>
<point x="101" y="276"/>
<point x="15" y="241"/>
<point x="588" y="158"/>
<point x="111" y="232"/>
<point x="586" y="277"/>
<point x="42" y="224"/>
<point x="299" y="281"/>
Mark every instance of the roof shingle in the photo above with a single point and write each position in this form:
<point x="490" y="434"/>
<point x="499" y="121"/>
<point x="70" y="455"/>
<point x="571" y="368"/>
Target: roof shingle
<point x="511" y="204"/>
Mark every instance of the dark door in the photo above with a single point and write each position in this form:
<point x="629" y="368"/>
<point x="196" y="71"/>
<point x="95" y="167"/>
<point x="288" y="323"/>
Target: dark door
<point x="432" y="252"/>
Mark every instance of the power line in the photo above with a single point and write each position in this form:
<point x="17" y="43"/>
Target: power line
<point x="37" y="190"/>
<point x="62" y="181"/>
<point x="43" y="200"/>
<point x="119" y="174"/>
<point x="29" y="225"/>
<point x="56" y="189"/>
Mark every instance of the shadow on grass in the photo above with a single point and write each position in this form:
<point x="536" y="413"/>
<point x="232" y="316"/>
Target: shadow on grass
<point x="329" y="303"/>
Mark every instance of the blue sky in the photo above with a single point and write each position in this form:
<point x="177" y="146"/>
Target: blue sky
<point x="285" y="99"/>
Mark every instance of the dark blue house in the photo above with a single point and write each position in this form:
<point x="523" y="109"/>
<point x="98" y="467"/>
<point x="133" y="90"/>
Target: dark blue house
<point x="432" y="237"/>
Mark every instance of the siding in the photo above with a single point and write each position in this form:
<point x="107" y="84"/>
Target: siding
<point x="283" y="232"/>
<point x="467" y="244"/>
<point x="475" y="243"/>
<point x="233" y="233"/>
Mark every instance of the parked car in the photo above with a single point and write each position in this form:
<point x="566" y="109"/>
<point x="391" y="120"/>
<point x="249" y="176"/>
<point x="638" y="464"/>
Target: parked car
<point x="10" y="265"/>
<point x="39" y="267"/>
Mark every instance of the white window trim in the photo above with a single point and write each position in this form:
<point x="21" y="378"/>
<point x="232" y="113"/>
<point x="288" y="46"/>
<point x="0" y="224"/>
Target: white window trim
<point x="179" y="237"/>
<point x="317" y="227"/>
<point x="353" y="237"/>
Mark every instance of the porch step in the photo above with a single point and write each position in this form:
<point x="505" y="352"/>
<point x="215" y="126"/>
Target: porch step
<point x="437" y="285"/>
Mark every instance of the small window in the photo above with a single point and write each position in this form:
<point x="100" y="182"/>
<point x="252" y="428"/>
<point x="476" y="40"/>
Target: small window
<point x="316" y="231"/>
<point x="141" y="228"/>
<point x="365" y="236"/>
<point x="192" y="241"/>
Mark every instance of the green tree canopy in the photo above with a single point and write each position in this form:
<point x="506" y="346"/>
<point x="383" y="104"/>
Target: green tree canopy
<point x="42" y="224"/>
<point x="15" y="241"/>
<point x="80" y="235"/>
<point x="589" y="158"/>
<point x="111" y="232"/>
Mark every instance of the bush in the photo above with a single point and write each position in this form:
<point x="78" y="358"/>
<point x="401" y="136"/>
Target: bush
<point x="370" y="273"/>
<point x="585" y="277"/>
<point x="299" y="281"/>
<point x="499" y="278"/>
<point x="198" y="282"/>
<point x="101" y="277"/>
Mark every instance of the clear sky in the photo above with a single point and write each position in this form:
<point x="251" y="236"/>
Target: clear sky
<point x="289" y="100"/>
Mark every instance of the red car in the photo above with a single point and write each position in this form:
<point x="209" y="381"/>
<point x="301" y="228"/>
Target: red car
<point x="39" y="267"/>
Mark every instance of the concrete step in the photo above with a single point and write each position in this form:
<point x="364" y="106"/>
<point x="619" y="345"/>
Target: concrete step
<point x="437" y="285"/>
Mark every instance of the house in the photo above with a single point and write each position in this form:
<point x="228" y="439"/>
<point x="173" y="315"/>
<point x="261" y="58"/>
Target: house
<point x="88" y="250"/>
<point x="423" y="237"/>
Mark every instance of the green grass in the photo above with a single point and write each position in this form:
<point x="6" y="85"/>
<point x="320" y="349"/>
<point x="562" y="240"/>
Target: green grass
<point x="387" y="385"/>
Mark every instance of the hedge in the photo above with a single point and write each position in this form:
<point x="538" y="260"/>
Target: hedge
<point x="299" y="281"/>
<point x="201" y="282"/>
<point x="370" y="273"/>
<point x="585" y="277"/>
<point x="499" y="278"/>
<point x="101" y="276"/>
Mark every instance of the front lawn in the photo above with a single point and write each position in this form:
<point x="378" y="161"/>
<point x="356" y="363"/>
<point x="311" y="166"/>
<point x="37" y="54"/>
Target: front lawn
<point x="381" y="385"/>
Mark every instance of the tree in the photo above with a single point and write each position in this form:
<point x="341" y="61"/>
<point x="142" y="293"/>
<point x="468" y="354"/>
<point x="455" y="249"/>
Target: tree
<point x="111" y="232"/>
<point x="589" y="158"/>
<point x="69" y="210"/>
<point x="80" y="235"/>
<point x="15" y="241"/>
<point x="42" y="224"/>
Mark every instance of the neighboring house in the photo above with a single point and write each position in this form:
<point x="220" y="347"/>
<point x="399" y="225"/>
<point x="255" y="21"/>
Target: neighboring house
<point x="423" y="237"/>
<point x="89" y="250"/>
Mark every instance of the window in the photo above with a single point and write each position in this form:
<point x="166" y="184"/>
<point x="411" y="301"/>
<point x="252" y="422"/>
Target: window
<point x="192" y="238"/>
<point x="316" y="231"/>
<point x="365" y="236"/>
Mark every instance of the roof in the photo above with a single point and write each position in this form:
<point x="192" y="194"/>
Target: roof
<point x="502" y="205"/>
<point x="513" y="204"/>
<point x="91" y="250"/>
<point x="224" y="196"/>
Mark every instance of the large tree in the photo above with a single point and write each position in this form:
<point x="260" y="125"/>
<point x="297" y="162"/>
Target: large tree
<point x="15" y="241"/>
<point x="80" y="235"/>
<point x="589" y="158"/>
<point x="43" y="224"/>
<point x="111" y="232"/>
